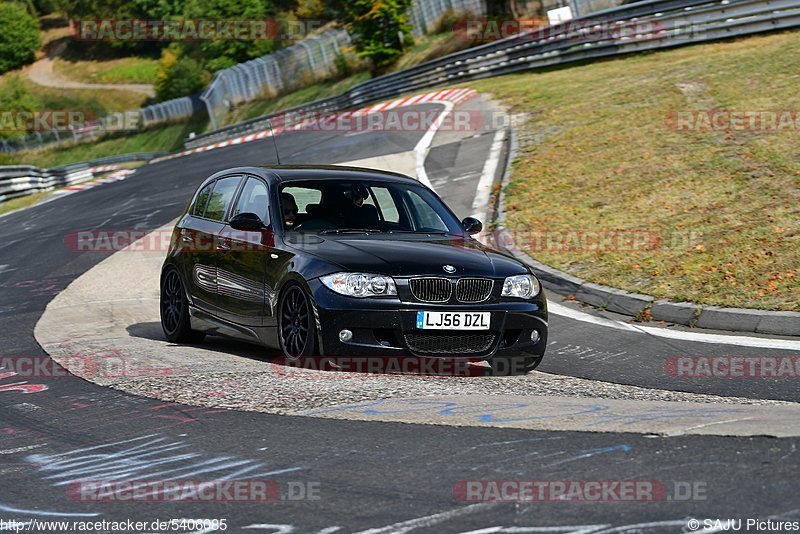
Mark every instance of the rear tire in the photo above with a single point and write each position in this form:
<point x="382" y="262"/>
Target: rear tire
<point x="514" y="365"/>
<point x="175" y="310"/>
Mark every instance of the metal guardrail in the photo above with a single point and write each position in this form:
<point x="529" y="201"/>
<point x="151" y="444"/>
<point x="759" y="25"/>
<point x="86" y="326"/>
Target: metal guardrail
<point x="640" y="26"/>
<point x="21" y="180"/>
<point x="18" y="181"/>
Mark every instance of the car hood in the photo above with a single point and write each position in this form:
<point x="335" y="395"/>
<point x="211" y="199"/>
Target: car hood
<point x="409" y="255"/>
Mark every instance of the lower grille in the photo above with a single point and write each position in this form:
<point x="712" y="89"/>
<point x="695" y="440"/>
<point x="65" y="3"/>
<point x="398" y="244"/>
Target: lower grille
<point x="449" y="343"/>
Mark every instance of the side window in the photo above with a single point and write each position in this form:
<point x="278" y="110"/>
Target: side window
<point x="221" y="197"/>
<point x="304" y="196"/>
<point x="386" y="204"/>
<point x="425" y="213"/>
<point x="199" y="207"/>
<point x="253" y="200"/>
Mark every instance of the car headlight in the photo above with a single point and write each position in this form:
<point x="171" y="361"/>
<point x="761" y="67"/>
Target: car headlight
<point x="360" y="284"/>
<point x="523" y="286"/>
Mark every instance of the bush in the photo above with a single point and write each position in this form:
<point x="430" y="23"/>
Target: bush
<point x="311" y="9"/>
<point x="178" y="76"/>
<point x="15" y="96"/>
<point x="343" y="66"/>
<point x="19" y="37"/>
<point x="453" y="19"/>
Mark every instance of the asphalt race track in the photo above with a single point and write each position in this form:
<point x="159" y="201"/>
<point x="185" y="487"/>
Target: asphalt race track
<point x="342" y="475"/>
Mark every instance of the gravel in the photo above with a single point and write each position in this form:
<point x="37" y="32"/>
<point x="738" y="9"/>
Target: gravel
<point x="283" y="390"/>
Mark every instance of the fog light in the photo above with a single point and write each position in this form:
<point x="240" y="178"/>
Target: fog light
<point x="345" y="336"/>
<point x="535" y="336"/>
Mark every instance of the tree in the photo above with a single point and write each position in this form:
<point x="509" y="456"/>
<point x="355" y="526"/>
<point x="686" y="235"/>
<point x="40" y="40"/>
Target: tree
<point x="45" y="7"/>
<point x="380" y="29"/>
<point x="178" y="76"/>
<point x="222" y="53"/>
<point x="19" y="37"/>
<point x="119" y="10"/>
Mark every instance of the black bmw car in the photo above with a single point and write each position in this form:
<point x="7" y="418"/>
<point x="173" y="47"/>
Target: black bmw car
<point x="340" y="261"/>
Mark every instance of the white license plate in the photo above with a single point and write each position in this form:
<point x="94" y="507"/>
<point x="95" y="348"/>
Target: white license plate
<point x="429" y="320"/>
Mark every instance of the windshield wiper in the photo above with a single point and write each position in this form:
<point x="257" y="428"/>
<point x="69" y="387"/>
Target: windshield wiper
<point x="433" y="232"/>
<point x="349" y="231"/>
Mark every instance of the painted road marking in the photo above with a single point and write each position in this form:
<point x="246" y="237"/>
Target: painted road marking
<point x="682" y="335"/>
<point x="423" y="147"/>
<point x="481" y="203"/>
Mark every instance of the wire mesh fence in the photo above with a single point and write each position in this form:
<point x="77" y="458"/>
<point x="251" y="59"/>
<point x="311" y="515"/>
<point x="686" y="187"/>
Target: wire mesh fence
<point x="285" y="70"/>
<point x="424" y="15"/>
<point x="170" y="110"/>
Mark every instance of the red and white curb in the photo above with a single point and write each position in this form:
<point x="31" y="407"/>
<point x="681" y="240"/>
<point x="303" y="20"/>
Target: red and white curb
<point x="449" y="96"/>
<point x="111" y="178"/>
<point x="104" y="168"/>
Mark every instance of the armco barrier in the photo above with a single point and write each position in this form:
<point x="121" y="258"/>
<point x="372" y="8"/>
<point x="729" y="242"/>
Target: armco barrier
<point x="20" y="180"/>
<point x="639" y="26"/>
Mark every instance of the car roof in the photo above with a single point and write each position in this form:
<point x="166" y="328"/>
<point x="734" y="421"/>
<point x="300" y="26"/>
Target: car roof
<point x="287" y="173"/>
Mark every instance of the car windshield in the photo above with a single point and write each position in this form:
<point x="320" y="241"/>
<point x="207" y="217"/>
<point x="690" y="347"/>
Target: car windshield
<point x="363" y="207"/>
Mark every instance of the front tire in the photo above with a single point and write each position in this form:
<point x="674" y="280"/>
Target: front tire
<point x="175" y="310"/>
<point x="297" y="325"/>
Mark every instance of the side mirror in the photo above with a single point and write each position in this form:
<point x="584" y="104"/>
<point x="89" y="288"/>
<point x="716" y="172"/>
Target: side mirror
<point x="246" y="222"/>
<point x="471" y="225"/>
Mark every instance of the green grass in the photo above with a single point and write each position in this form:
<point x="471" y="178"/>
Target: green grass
<point x="90" y="101"/>
<point x="22" y="202"/>
<point x="430" y="47"/>
<point x="122" y="70"/>
<point x="164" y="139"/>
<point x="260" y="107"/>
<point x="596" y="154"/>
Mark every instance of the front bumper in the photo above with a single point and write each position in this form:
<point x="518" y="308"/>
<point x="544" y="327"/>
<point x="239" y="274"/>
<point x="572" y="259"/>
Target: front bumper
<point x="387" y="327"/>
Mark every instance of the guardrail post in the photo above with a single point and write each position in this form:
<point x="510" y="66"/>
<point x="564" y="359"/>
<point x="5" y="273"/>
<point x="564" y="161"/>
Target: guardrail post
<point x="307" y="48"/>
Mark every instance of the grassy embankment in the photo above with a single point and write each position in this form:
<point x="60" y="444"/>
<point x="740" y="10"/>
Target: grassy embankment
<point x="597" y="153"/>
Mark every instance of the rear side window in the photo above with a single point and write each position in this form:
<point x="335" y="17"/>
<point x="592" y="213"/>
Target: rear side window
<point x="199" y="208"/>
<point x="253" y="199"/>
<point x="221" y="197"/>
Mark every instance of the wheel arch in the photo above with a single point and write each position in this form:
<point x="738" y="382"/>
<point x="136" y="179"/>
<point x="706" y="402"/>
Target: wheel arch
<point x="295" y="278"/>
